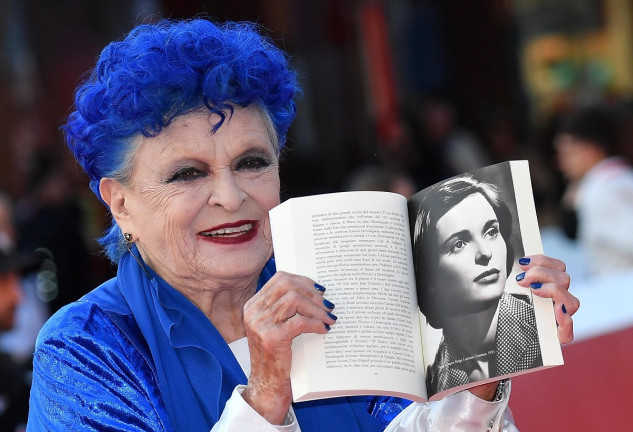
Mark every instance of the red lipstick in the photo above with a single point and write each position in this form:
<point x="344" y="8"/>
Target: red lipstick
<point x="231" y="233"/>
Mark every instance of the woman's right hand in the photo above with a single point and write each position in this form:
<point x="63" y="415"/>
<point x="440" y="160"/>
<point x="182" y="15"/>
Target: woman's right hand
<point x="287" y="306"/>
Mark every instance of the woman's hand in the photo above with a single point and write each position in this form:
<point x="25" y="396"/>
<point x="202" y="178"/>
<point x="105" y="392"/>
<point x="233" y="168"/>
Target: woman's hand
<point x="547" y="278"/>
<point x="287" y="306"/>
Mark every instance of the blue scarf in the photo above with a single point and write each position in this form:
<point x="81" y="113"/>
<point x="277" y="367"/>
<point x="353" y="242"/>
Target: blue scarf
<point x="196" y="369"/>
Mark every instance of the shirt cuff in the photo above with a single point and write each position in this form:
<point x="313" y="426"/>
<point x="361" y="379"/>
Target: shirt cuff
<point x="240" y="416"/>
<point x="465" y="411"/>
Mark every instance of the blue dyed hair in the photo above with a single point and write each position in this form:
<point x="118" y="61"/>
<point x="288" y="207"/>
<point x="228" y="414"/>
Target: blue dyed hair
<point x="162" y="70"/>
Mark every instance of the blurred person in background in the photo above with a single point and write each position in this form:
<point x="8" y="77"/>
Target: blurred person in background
<point x="33" y="310"/>
<point x="450" y="148"/>
<point x="50" y="217"/>
<point x="15" y="374"/>
<point x="7" y="229"/>
<point x="374" y="177"/>
<point x="599" y="190"/>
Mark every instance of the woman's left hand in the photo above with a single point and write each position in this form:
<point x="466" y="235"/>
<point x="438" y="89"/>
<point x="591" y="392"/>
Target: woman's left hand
<point x="546" y="277"/>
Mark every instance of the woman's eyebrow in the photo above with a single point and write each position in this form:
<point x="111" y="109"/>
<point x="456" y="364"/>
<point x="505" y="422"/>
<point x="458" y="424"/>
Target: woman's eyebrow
<point x="255" y="151"/>
<point x="490" y="223"/>
<point x="460" y="235"/>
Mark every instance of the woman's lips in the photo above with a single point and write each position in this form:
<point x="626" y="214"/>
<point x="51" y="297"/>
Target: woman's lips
<point x="487" y="277"/>
<point x="231" y="233"/>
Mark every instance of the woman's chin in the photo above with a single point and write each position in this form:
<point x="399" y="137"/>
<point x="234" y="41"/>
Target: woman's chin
<point x="236" y="264"/>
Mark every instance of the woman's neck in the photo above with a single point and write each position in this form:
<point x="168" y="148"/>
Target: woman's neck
<point x="223" y="305"/>
<point x="221" y="300"/>
<point x="474" y="333"/>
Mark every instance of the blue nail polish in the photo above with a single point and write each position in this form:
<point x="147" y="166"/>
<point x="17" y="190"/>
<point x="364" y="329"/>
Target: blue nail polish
<point x="564" y="309"/>
<point x="319" y="287"/>
<point x="536" y="285"/>
<point x="327" y="327"/>
<point x="331" y="315"/>
<point x="524" y="261"/>
<point x="328" y="304"/>
<point x="520" y="276"/>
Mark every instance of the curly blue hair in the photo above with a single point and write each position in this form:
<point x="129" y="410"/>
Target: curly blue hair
<point x="165" y="69"/>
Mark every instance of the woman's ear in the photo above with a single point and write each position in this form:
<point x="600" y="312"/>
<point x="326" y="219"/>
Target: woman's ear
<point x="114" y="194"/>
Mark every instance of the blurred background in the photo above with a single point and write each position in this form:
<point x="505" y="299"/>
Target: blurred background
<point x="424" y="89"/>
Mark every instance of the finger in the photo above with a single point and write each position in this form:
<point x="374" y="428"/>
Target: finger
<point x="283" y="282"/>
<point x="295" y="303"/>
<point x="293" y="313"/>
<point x="565" y="324"/>
<point x="300" y="324"/>
<point x="560" y="296"/>
<point x="543" y="275"/>
<point x="546" y="282"/>
<point x="530" y="261"/>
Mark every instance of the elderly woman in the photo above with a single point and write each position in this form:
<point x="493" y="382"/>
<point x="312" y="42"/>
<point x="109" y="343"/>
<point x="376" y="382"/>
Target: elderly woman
<point x="462" y="238"/>
<point x="180" y="127"/>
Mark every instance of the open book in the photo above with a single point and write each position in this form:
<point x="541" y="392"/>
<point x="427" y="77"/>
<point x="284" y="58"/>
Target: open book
<point x="458" y="242"/>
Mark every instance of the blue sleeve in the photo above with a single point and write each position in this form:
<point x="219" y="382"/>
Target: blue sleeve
<point x="385" y="408"/>
<point x="88" y="376"/>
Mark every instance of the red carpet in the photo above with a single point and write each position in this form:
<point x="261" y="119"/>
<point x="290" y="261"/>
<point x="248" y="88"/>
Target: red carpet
<point x="593" y="391"/>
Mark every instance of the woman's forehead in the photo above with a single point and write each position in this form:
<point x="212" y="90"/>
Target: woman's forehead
<point x="471" y="210"/>
<point x="194" y="131"/>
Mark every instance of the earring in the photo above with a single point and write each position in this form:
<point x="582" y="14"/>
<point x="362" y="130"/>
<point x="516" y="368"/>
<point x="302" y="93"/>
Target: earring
<point x="128" y="244"/>
<point x="128" y="240"/>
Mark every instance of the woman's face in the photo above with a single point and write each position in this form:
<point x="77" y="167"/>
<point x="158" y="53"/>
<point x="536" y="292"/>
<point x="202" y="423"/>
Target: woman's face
<point x="198" y="201"/>
<point x="471" y="272"/>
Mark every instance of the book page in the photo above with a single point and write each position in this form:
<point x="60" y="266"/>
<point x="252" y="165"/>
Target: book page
<point x="543" y="307"/>
<point x="357" y="245"/>
<point x="478" y="324"/>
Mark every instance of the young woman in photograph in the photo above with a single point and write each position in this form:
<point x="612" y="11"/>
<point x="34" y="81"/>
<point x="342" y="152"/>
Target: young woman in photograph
<point x="463" y="250"/>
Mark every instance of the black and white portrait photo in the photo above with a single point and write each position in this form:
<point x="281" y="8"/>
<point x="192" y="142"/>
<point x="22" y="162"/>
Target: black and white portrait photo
<point x="466" y="241"/>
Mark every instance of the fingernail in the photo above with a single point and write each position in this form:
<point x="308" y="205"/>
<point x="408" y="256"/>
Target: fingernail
<point x="564" y="309"/>
<point x="319" y="287"/>
<point x="520" y="276"/>
<point x="331" y="315"/>
<point x="328" y="304"/>
<point x="524" y="261"/>
<point x="536" y="285"/>
<point x="327" y="327"/>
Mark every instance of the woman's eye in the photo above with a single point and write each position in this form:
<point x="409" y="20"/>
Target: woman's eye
<point x="458" y="246"/>
<point x="253" y="163"/>
<point x="493" y="232"/>
<point x="186" y="174"/>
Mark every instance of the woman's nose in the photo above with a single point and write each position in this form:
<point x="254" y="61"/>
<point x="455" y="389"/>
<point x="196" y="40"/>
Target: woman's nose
<point x="483" y="255"/>
<point x="226" y="191"/>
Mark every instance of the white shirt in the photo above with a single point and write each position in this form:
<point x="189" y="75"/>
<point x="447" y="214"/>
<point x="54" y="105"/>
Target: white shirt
<point x="604" y="205"/>
<point x="461" y="411"/>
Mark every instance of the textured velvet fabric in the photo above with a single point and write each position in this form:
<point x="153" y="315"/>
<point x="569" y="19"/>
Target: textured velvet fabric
<point x="130" y="355"/>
